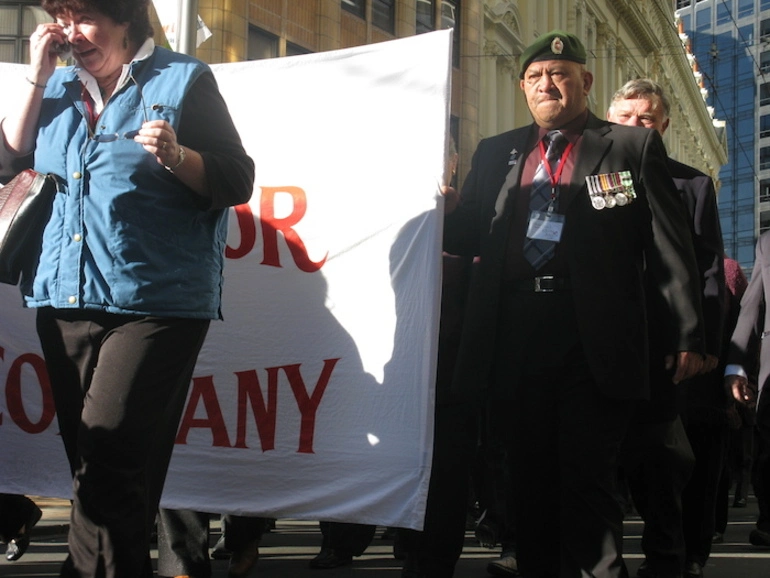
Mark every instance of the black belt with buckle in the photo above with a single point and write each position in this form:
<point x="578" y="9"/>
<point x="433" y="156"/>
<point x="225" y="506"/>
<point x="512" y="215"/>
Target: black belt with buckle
<point x="544" y="284"/>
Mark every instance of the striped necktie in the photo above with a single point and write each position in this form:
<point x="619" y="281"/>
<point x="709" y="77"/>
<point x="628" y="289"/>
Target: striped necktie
<point x="538" y="251"/>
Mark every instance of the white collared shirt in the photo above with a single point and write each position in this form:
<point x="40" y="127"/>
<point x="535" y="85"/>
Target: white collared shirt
<point x="93" y="87"/>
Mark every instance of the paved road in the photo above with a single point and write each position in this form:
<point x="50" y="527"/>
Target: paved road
<point x="286" y="551"/>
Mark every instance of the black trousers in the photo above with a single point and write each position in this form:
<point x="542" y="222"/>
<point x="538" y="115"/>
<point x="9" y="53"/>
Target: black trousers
<point x="699" y="500"/>
<point x="437" y="548"/>
<point x="761" y="471"/>
<point x="564" y="436"/>
<point x="346" y="538"/>
<point x="119" y="384"/>
<point x="183" y="543"/>
<point x="657" y="461"/>
<point x="183" y="540"/>
<point x="15" y="510"/>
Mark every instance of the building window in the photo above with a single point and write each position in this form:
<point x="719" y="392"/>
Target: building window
<point x="356" y="7"/>
<point x="450" y="18"/>
<point x="723" y="13"/>
<point x="18" y="21"/>
<point x="426" y="16"/>
<point x="703" y="19"/>
<point x="262" y="44"/>
<point x="745" y="8"/>
<point x="764" y="29"/>
<point x="764" y="62"/>
<point x="764" y="158"/>
<point x="764" y="190"/>
<point x="682" y="4"/>
<point x="764" y="126"/>
<point x="384" y="14"/>
<point x="764" y="222"/>
<point x="295" y="50"/>
<point x="764" y="93"/>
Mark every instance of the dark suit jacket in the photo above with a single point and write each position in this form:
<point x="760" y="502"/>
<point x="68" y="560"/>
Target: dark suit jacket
<point x="753" y="326"/>
<point x="606" y="252"/>
<point x="699" y="198"/>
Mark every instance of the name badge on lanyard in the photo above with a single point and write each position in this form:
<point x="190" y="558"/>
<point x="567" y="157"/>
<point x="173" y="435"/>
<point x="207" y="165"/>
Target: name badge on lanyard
<point x="545" y="226"/>
<point x="548" y="225"/>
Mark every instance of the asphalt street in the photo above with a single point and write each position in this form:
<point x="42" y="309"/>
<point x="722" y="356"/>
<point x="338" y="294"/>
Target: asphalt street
<point x="285" y="551"/>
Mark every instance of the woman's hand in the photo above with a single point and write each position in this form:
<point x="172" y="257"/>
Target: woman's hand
<point x="44" y="44"/>
<point x="159" y="138"/>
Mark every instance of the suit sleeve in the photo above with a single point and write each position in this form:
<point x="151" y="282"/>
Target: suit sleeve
<point x="709" y="251"/>
<point x="461" y="227"/>
<point x="669" y="252"/>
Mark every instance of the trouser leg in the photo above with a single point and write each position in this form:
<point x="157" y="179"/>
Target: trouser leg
<point x="132" y="399"/>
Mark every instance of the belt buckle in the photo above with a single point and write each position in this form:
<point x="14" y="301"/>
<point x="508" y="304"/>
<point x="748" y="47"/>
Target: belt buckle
<point x="544" y="284"/>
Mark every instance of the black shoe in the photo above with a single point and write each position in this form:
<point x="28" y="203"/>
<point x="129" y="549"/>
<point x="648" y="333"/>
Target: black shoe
<point x="328" y="558"/>
<point x="20" y="542"/>
<point x="717" y="538"/>
<point x="759" y="538"/>
<point x="242" y="561"/>
<point x="739" y="502"/>
<point x="220" y="551"/>
<point x="693" y="570"/>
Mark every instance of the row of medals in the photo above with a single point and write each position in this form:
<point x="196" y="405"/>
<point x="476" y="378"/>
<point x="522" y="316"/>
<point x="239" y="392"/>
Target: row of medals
<point x="611" y="190"/>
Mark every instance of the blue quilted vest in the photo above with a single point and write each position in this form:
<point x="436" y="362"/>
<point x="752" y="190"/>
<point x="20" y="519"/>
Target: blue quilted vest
<point x="125" y="235"/>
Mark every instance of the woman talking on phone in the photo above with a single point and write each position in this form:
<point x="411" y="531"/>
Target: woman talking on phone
<point x="130" y="272"/>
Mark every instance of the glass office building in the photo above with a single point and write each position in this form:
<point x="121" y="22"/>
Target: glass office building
<point x="731" y="42"/>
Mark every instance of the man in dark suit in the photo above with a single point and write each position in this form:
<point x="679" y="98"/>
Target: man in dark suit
<point x="749" y="354"/>
<point x="561" y="344"/>
<point x="657" y="456"/>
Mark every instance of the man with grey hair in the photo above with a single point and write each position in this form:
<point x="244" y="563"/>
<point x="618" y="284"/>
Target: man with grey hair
<point x="672" y="470"/>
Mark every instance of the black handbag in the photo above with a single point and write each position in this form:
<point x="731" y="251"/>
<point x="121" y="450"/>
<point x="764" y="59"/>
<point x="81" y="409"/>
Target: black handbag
<point x="25" y="206"/>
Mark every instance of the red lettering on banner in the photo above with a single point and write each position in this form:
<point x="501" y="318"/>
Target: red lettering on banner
<point x="245" y="219"/>
<point x="264" y="414"/>
<point x="14" y="398"/>
<point x="203" y="389"/>
<point x="270" y="226"/>
<point x="307" y="405"/>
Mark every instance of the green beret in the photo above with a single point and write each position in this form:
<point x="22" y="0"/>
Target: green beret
<point x="554" y="45"/>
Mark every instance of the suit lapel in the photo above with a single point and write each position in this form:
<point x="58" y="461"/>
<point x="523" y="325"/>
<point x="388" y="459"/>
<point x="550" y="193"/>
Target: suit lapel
<point x="512" y="174"/>
<point x="593" y="149"/>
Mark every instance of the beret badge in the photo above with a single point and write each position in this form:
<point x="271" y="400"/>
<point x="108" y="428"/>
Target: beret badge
<point x="557" y="46"/>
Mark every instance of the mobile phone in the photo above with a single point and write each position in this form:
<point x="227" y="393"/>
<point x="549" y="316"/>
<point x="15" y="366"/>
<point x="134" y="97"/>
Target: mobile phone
<point x="64" y="50"/>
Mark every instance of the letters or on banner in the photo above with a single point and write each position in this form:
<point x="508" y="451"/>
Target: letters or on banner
<point x="314" y="397"/>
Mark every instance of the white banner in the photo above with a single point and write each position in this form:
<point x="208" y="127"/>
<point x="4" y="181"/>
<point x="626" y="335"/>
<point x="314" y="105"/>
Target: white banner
<point x="314" y="398"/>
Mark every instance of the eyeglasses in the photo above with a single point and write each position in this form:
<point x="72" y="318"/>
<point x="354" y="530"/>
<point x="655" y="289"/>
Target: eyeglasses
<point x="114" y="136"/>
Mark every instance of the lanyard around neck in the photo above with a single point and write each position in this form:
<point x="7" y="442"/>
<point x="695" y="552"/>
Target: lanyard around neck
<point x="555" y="176"/>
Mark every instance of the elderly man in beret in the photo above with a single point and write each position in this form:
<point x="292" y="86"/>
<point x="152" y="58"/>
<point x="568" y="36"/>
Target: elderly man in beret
<point x="567" y="215"/>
